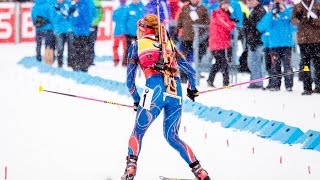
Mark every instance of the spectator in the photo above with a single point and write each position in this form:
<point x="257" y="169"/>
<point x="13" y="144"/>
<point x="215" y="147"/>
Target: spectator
<point x="82" y="14"/>
<point x="134" y="13"/>
<point x="41" y="15"/>
<point x="119" y="17"/>
<point x="306" y="16"/>
<point x="243" y="59"/>
<point x="94" y="28"/>
<point x="151" y="8"/>
<point x="237" y="16"/>
<point x="236" y="13"/>
<point x="277" y="23"/>
<point x="174" y="8"/>
<point x="221" y="26"/>
<point x="62" y="30"/>
<point x="191" y="14"/>
<point x="254" y="42"/>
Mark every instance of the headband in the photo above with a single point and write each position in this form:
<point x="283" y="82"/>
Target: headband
<point x="145" y="28"/>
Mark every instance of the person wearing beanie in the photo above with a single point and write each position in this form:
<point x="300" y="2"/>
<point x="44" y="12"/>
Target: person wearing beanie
<point x="119" y="17"/>
<point x="163" y="91"/>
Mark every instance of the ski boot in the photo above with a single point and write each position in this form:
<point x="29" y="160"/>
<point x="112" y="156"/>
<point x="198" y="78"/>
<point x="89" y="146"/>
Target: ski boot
<point x="199" y="172"/>
<point x="131" y="168"/>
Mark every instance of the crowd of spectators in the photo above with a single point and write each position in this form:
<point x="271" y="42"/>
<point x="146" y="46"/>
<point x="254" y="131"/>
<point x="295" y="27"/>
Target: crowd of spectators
<point x="60" y="22"/>
<point x="267" y="29"/>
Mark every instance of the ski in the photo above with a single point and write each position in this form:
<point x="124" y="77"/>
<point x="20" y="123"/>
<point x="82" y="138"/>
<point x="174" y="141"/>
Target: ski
<point x="167" y="178"/>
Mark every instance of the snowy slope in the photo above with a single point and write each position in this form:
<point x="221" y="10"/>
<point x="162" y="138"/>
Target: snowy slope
<point x="48" y="136"/>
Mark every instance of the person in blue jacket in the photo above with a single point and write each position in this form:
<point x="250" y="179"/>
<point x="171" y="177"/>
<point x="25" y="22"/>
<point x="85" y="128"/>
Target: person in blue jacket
<point x="41" y="14"/>
<point x="82" y="12"/>
<point x="278" y="23"/>
<point x="151" y="8"/>
<point x="162" y="92"/>
<point x="135" y="12"/>
<point x="62" y="30"/>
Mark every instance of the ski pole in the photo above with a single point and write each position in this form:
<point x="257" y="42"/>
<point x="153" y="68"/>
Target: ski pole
<point x="82" y="97"/>
<point x="306" y="68"/>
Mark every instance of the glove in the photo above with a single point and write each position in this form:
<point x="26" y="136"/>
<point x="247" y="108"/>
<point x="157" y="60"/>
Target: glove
<point x="192" y="93"/>
<point x="135" y="106"/>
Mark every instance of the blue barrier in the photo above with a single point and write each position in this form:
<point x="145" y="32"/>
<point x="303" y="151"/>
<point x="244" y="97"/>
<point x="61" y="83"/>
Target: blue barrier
<point x="287" y="134"/>
<point x="195" y="106"/>
<point x="229" y="117"/>
<point x="275" y="130"/>
<point x="309" y="140"/>
<point x="200" y="110"/>
<point x="206" y="112"/>
<point x="256" y="124"/>
<point x="242" y="122"/>
<point x="187" y="106"/>
<point x="269" y="129"/>
<point x="317" y="148"/>
<point x="216" y="116"/>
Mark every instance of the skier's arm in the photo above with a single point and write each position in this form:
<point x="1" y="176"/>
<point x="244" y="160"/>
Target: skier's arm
<point x="132" y="71"/>
<point x="189" y="70"/>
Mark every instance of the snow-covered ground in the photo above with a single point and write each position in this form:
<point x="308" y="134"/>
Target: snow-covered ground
<point x="45" y="136"/>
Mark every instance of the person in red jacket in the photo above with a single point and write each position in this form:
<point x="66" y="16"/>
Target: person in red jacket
<point x="220" y="29"/>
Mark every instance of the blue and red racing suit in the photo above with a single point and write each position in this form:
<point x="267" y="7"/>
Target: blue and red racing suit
<point x="154" y="98"/>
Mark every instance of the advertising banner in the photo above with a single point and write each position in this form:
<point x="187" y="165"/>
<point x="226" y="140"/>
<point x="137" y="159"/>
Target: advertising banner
<point x="7" y="22"/>
<point x="16" y="23"/>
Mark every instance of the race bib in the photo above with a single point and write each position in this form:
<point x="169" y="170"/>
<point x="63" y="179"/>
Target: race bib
<point x="145" y="101"/>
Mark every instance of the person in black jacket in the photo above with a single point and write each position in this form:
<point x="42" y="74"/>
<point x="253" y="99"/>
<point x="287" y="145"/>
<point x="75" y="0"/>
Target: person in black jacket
<point x="254" y="42"/>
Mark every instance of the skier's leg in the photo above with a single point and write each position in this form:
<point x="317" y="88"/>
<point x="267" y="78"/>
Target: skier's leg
<point x="171" y="125"/>
<point x="147" y="112"/>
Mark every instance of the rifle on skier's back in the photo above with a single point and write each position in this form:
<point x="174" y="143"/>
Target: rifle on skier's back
<point x="167" y="57"/>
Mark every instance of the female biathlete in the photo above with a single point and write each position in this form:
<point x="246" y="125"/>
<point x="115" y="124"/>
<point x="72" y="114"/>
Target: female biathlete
<point x="162" y="91"/>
